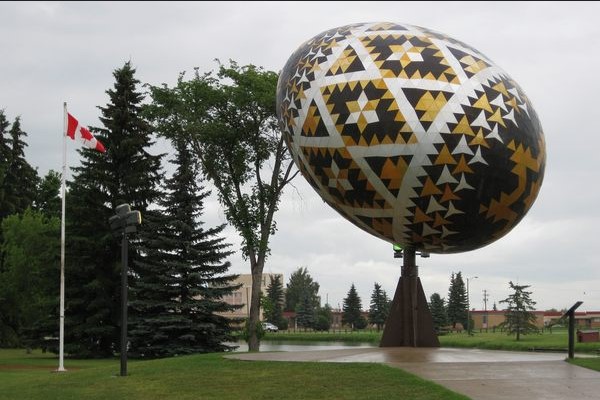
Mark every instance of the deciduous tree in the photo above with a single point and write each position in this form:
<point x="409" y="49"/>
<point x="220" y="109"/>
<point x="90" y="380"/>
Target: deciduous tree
<point x="29" y="283"/>
<point x="229" y="120"/>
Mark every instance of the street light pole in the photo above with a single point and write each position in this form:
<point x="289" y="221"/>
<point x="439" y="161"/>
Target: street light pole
<point x="125" y="221"/>
<point x="469" y="307"/>
<point x="124" y="290"/>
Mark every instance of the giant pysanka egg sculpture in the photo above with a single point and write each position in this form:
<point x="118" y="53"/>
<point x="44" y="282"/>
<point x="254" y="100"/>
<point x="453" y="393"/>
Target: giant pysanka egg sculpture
<point x="411" y="135"/>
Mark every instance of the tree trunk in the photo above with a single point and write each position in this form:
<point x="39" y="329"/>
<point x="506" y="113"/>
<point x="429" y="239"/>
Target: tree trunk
<point x="253" y="339"/>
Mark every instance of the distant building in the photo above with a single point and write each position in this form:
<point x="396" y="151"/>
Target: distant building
<point x="490" y="319"/>
<point x="243" y="296"/>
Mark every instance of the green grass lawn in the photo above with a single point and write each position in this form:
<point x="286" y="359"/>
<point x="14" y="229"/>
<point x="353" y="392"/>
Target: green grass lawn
<point x="591" y="363"/>
<point x="207" y="376"/>
<point x="557" y="340"/>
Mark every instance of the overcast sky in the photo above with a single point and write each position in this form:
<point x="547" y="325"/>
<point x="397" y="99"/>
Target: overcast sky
<point x="52" y="52"/>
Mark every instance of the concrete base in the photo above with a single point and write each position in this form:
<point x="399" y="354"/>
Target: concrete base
<point x="409" y="322"/>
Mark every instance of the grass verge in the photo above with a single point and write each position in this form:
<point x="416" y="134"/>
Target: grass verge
<point x="591" y="363"/>
<point x="207" y="376"/>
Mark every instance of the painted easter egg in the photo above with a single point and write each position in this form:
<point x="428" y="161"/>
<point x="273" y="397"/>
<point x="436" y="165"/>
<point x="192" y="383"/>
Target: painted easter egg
<point x="414" y="137"/>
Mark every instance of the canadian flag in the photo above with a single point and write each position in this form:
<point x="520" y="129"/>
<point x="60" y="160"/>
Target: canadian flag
<point x="76" y="131"/>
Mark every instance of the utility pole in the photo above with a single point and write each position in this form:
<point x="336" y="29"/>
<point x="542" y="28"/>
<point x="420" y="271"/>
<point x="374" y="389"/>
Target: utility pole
<point x="485" y="299"/>
<point x="469" y="307"/>
<point x="486" y="295"/>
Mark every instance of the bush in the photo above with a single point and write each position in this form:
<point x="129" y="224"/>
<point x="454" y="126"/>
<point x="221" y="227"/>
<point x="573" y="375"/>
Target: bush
<point x="361" y="323"/>
<point x="322" y="323"/>
<point x="260" y="331"/>
<point x="283" y="324"/>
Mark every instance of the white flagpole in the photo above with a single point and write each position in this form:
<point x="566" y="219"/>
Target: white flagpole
<point x="61" y="346"/>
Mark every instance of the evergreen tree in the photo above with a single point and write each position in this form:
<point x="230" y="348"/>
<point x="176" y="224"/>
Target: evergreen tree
<point x="494" y="307"/>
<point x="305" y="312"/>
<point x="20" y="179"/>
<point x="301" y="285"/>
<point x="5" y="156"/>
<point x="518" y="318"/>
<point x="276" y="297"/>
<point x="126" y="173"/>
<point x="352" y="309"/>
<point x="180" y="283"/>
<point x="457" y="301"/>
<point x="47" y="199"/>
<point x="379" y="308"/>
<point x="438" y="311"/>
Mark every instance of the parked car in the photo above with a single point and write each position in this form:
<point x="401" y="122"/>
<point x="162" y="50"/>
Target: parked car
<point x="269" y="327"/>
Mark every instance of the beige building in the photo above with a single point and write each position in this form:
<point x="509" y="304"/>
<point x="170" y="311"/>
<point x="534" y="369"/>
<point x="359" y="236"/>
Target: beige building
<point x="491" y="319"/>
<point x="243" y="296"/>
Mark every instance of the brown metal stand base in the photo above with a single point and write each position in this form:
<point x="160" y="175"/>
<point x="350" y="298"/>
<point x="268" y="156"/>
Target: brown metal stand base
<point x="409" y="322"/>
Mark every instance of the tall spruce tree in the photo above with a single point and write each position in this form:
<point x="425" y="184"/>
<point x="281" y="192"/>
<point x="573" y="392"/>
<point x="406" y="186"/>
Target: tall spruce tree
<point x="126" y="173"/>
<point x="20" y="179"/>
<point x="379" y="308"/>
<point x="275" y="297"/>
<point x="518" y="318"/>
<point x="305" y="312"/>
<point x="178" y="302"/>
<point x="457" y="301"/>
<point x="438" y="311"/>
<point x="352" y="307"/>
<point x="47" y="199"/>
<point x="4" y="156"/>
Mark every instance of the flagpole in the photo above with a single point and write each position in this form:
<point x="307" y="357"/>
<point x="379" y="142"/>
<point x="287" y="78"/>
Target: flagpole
<point x="61" y="346"/>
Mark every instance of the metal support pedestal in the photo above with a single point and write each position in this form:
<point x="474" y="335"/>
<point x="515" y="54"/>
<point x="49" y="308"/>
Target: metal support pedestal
<point x="409" y="322"/>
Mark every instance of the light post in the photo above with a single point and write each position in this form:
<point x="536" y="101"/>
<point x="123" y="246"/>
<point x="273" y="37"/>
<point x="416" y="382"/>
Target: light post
<point x="469" y="307"/>
<point x="124" y="222"/>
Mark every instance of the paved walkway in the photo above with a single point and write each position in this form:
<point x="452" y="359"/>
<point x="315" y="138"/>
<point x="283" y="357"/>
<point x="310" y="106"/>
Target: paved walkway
<point x="479" y="374"/>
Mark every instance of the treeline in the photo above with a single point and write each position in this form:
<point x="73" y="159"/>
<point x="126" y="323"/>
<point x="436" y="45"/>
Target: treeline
<point x="178" y="266"/>
<point x="301" y="296"/>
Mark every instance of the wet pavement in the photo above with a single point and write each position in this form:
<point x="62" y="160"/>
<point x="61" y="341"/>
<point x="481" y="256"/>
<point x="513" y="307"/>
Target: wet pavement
<point x="479" y="374"/>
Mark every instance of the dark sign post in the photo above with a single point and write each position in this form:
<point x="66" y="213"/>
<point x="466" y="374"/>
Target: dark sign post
<point x="571" y="314"/>
<point x="126" y="221"/>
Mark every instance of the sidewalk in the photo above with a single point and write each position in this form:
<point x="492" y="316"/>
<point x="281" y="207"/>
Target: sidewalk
<point x="479" y="374"/>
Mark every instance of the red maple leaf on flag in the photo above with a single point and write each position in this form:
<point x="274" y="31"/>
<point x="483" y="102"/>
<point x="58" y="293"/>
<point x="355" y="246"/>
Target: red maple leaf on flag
<point x="76" y="131"/>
